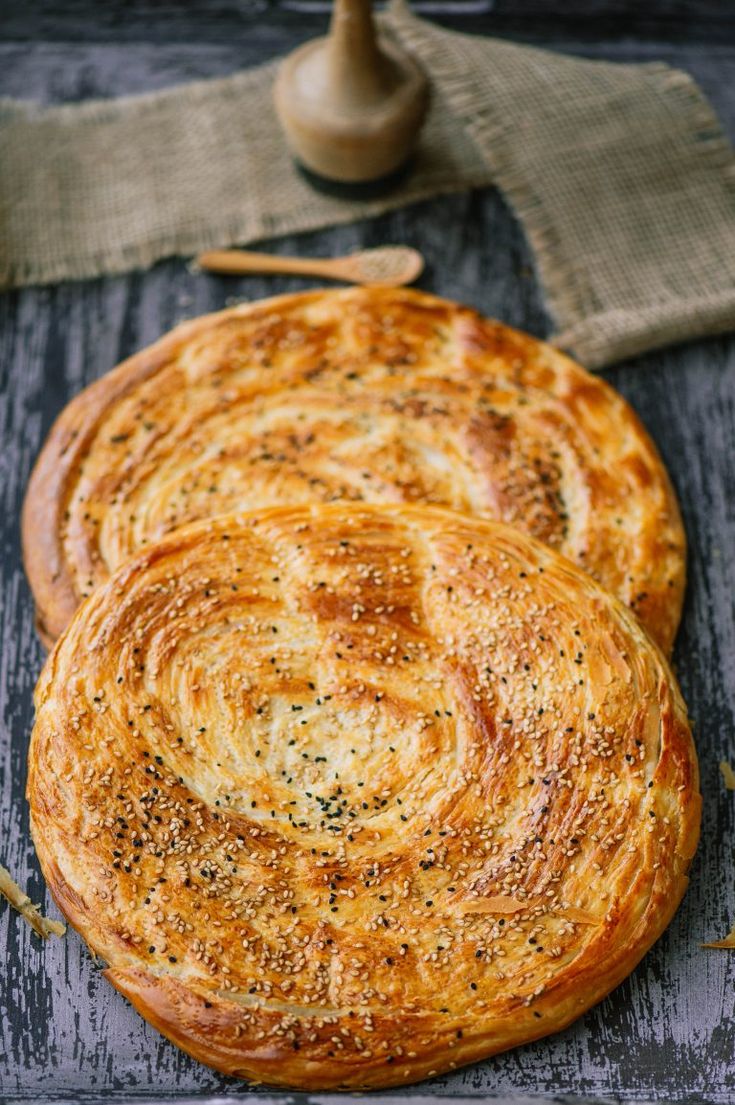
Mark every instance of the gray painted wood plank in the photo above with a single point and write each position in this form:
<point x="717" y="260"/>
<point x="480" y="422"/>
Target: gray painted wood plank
<point x="219" y="20"/>
<point x="669" y="1032"/>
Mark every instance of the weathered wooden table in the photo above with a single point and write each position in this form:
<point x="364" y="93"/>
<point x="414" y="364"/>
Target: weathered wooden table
<point x="668" y="1033"/>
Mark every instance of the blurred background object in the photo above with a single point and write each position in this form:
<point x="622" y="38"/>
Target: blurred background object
<point x="351" y="104"/>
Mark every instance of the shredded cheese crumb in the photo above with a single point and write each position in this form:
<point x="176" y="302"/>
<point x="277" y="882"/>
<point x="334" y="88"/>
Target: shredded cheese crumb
<point x="44" y="926"/>
<point x="728" y="942"/>
<point x="728" y="775"/>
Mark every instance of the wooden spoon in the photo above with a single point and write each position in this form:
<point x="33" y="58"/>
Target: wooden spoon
<point x="391" y="265"/>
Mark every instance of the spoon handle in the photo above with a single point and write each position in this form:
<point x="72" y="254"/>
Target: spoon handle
<point x="235" y="261"/>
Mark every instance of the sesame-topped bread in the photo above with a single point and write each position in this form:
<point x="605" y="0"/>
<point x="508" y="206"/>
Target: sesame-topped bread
<point x="365" y="394"/>
<point x="347" y="795"/>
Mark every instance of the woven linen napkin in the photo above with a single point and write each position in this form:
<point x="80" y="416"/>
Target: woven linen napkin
<point x="620" y="174"/>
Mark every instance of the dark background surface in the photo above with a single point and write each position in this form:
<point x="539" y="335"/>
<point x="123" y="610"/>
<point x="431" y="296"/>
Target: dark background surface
<point x="668" y="1033"/>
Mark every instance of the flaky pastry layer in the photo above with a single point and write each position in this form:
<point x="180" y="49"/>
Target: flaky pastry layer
<point x="349" y="795"/>
<point x="363" y="394"/>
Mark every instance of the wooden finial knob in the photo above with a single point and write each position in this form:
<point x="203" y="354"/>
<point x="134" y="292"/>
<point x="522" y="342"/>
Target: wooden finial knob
<point x="351" y="104"/>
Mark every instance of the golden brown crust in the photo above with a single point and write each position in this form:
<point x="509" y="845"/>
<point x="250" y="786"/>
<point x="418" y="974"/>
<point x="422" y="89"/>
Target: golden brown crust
<point x="346" y="795"/>
<point x="369" y="394"/>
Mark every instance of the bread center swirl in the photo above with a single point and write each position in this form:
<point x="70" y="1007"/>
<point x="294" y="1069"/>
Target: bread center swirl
<point x="287" y="718"/>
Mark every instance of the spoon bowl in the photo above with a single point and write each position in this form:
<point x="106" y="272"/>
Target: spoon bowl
<point x="391" y="265"/>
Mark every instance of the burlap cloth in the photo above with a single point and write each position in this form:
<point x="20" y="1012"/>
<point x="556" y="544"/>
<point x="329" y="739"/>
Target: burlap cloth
<point x="620" y="174"/>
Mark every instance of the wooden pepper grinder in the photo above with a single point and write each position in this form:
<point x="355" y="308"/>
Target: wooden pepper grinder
<point x="351" y="104"/>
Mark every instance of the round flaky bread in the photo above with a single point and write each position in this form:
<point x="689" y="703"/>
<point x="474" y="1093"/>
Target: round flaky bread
<point x="348" y="795"/>
<point x="370" y="394"/>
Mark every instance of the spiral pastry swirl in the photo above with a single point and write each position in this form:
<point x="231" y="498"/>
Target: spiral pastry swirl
<point x="367" y="395"/>
<point x="347" y="795"/>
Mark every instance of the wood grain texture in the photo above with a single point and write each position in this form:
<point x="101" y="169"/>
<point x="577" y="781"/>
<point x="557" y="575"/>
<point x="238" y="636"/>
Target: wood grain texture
<point x="539" y="20"/>
<point x="668" y="1033"/>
